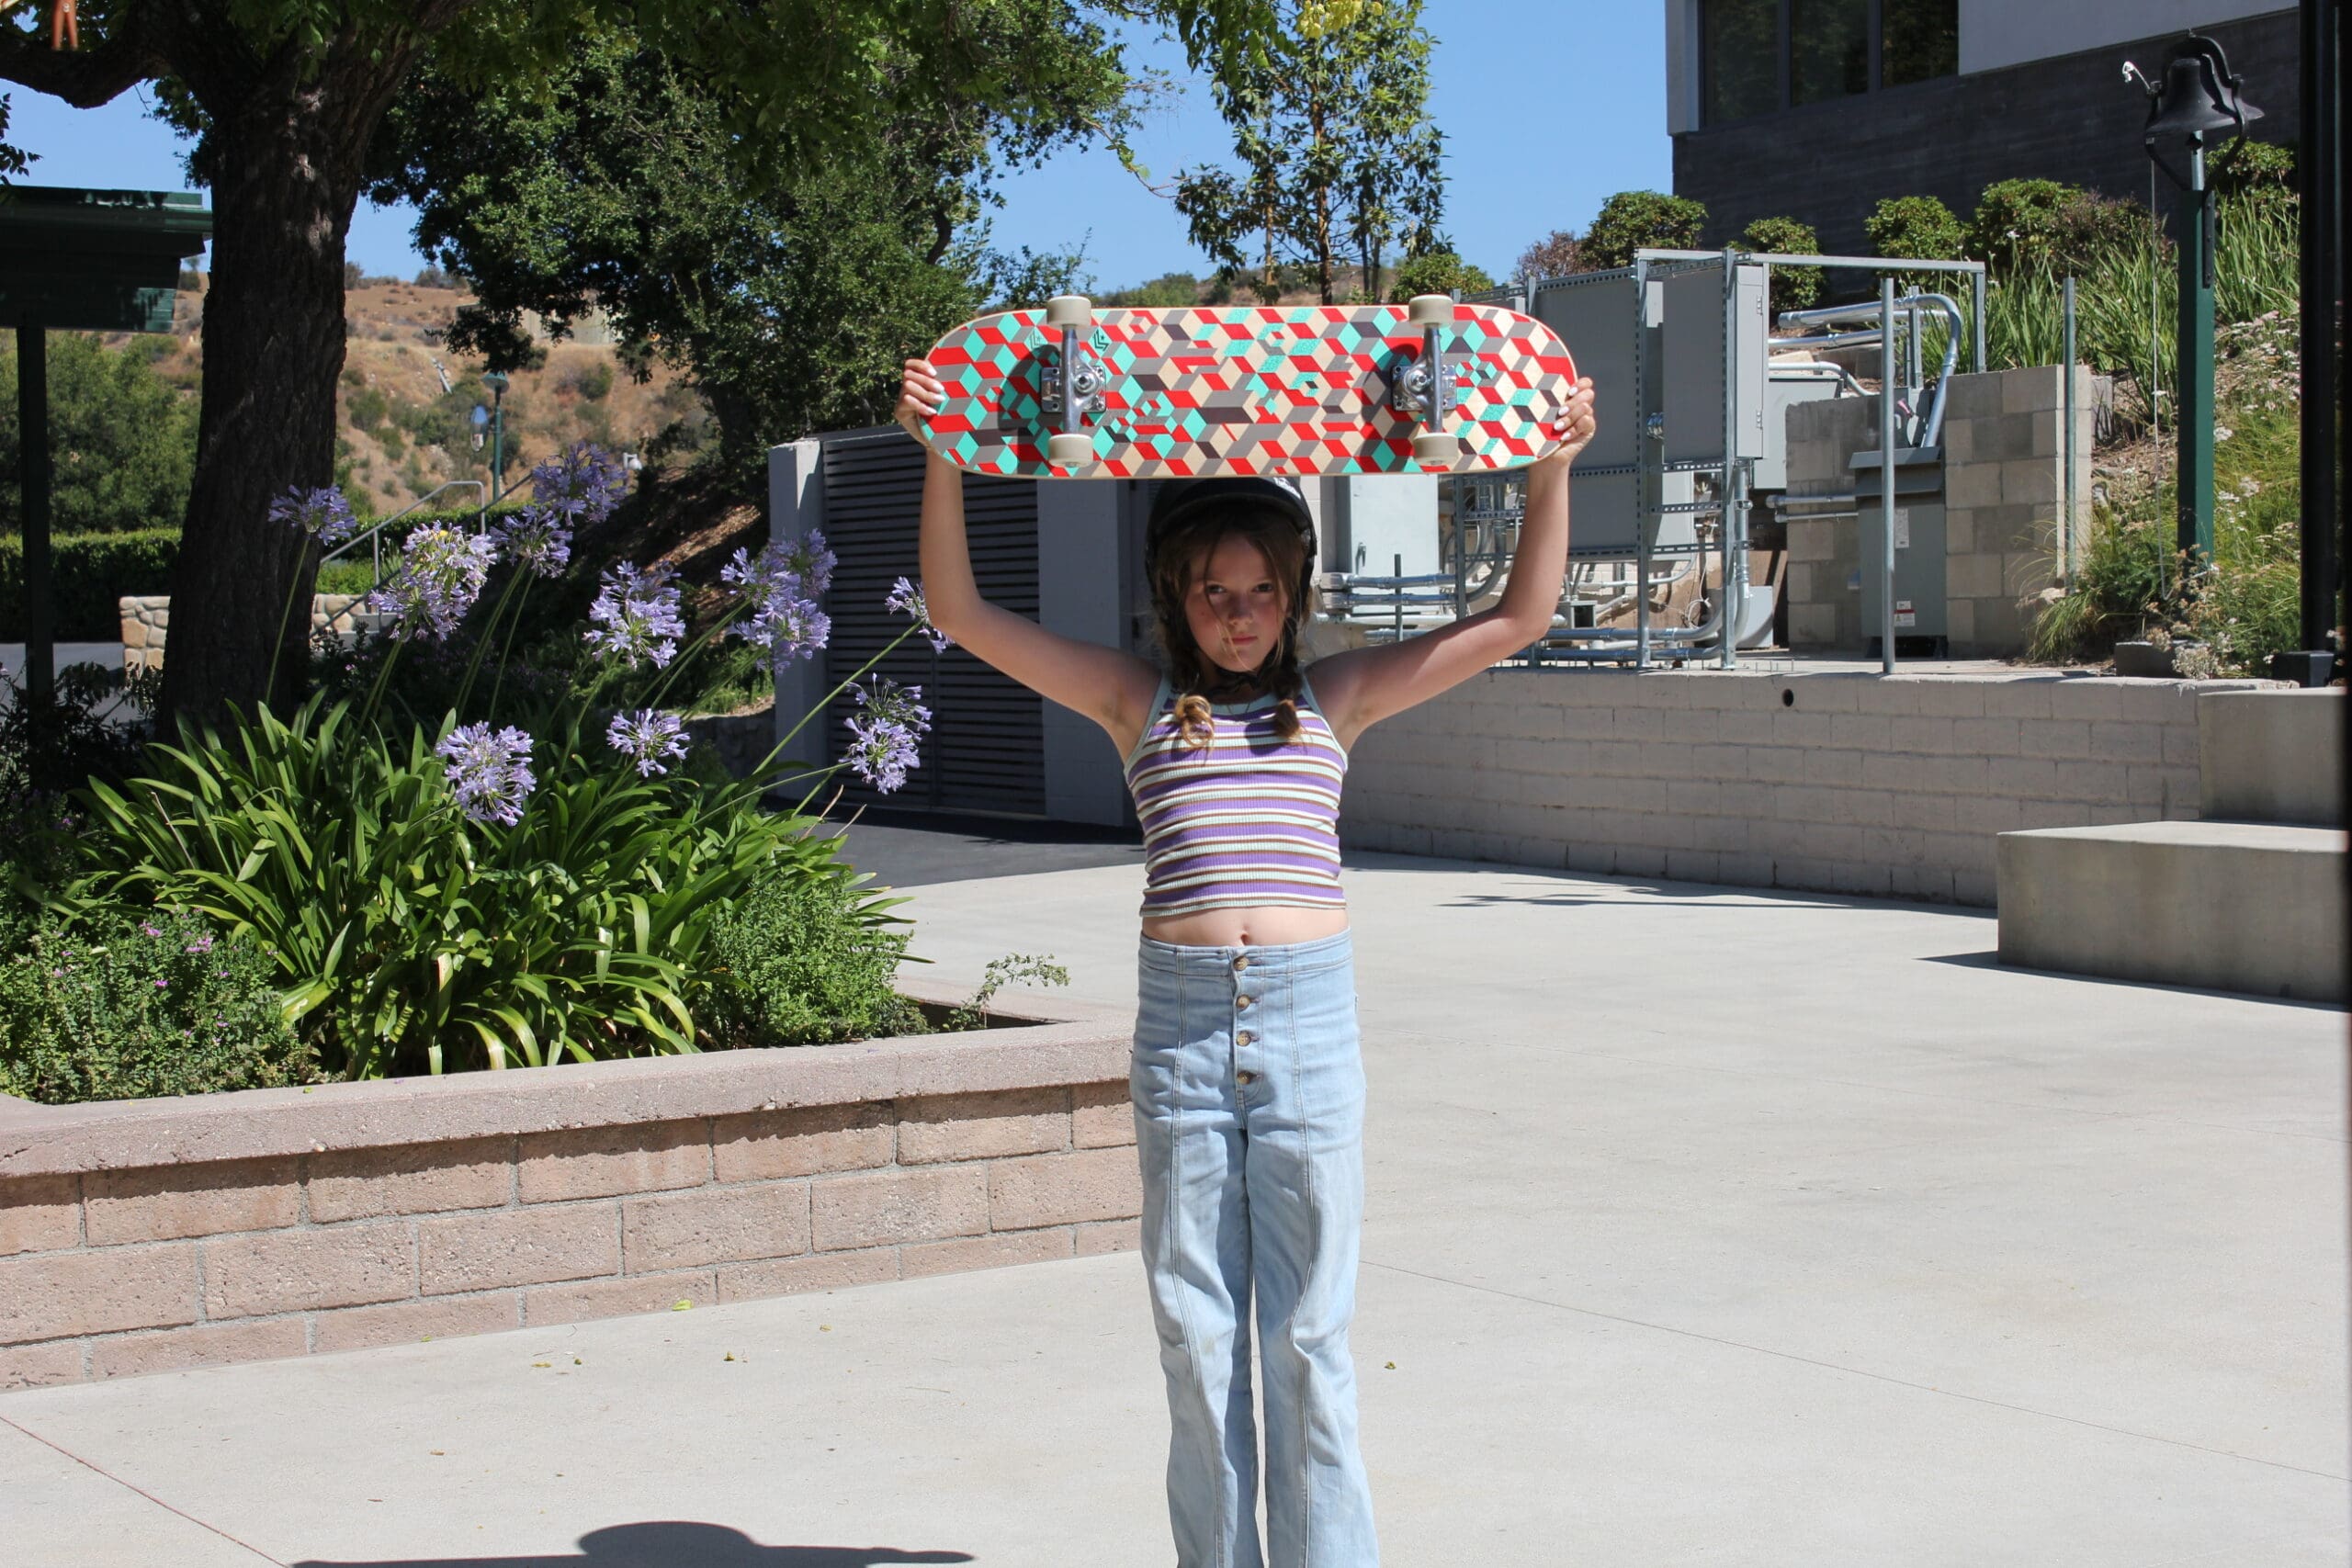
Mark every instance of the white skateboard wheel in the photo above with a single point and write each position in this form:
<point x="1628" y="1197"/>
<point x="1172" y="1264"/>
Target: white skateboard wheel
<point x="1069" y="310"/>
<point x="1070" y="449"/>
<point x="1435" y="446"/>
<point x="1421" y="311"/>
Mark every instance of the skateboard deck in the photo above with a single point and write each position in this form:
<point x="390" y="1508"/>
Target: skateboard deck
<point x="1298" y="390"/>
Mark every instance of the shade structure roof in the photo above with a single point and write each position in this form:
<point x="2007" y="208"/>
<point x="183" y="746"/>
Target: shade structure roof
<point x="95" y="260"/>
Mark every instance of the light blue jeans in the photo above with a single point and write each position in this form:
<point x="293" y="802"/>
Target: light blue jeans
<point x="1249" y="1093"/>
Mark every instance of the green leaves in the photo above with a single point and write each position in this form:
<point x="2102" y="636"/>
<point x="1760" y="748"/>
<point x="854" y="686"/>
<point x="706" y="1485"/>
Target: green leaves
<point x="407" y="939"/>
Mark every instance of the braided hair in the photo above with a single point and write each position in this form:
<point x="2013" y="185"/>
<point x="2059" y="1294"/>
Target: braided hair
<point x="1178" y="558"/>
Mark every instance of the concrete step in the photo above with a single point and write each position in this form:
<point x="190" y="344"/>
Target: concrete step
<point x="2254" y="907"/>
<point x="2271" y="756"/>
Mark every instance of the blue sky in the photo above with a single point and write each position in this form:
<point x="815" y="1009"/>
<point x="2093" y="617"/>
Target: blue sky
<point x="1547" y="107"/>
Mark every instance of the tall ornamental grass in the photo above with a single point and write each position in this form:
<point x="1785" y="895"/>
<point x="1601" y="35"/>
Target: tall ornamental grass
<point x="2245" y="604"/>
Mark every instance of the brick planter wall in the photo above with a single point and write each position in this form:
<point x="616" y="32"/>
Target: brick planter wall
<point x="1832" y="780"/>
<point x="138" y="1236"/>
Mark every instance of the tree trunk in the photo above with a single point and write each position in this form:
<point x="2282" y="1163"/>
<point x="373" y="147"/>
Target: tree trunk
<point x="284" y="180"/>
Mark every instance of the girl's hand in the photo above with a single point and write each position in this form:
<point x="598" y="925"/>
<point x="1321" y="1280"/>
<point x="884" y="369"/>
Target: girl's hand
<point x="1574" y="427"/>
<point x="919" y="397"/>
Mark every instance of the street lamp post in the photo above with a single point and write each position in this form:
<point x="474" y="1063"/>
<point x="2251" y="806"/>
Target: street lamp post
<point x="2196" y="98"/>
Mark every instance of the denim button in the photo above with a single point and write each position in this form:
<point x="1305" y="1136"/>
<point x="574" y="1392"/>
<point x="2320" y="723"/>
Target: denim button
<point x="1245" y="1077"/>
<point x="1243" y="1038"/>
<point x="1241" y="963"/>
<point x="1241" y="1002"/>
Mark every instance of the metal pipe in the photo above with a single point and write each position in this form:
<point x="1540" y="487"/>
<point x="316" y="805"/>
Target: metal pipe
<point x="1886" y="473"/>
<point x="1977" y="301"/>
<point x="1731" y="441"/>
<point x="2068" y="557"/>
<point x="1644" y="483"/>
<point x="1778" y="258"/>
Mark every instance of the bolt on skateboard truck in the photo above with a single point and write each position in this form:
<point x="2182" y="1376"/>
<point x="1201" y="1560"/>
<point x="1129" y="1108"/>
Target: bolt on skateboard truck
<point x="1075" y="389"/>
<point x="1422" y="393"/>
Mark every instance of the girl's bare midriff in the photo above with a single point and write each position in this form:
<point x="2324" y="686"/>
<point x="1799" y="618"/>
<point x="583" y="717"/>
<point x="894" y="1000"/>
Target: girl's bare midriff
<point x="1272" y="925"/>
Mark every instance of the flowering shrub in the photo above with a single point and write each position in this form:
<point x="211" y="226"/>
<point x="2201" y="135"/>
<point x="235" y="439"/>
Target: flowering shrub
<point x="437" y="897"/>
<point x="125" y="1006"/>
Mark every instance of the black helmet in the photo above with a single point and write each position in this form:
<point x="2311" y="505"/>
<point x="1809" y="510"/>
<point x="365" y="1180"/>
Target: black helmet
<point x="1179" y="499"/>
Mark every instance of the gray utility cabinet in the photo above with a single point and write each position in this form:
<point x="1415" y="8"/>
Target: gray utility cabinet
<point x="1919" y="608"/>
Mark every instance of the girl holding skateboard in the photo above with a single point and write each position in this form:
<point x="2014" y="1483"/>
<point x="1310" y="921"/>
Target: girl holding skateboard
<point x="1247" y="1079"/>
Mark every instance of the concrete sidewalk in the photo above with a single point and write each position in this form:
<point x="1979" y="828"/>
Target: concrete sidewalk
<point x="1704" y="1225"/>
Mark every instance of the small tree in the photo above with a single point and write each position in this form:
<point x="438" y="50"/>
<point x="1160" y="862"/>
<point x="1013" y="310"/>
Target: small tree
<point x="1793" y="288"/>
<point x="1337" y="151"/>
<point x="1436" y="272"/>
<point x="1634" y="218"/>
<point x="1557" y="255"/>
<point x="1919" y="228"/>
<point x="122" y="438"/>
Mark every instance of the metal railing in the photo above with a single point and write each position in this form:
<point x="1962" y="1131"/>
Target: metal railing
<point x="374" y="538"/>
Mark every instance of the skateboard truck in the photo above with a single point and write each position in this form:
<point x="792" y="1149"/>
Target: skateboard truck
<point x="1075" y="389"/>
<point x="1421" y="392"/>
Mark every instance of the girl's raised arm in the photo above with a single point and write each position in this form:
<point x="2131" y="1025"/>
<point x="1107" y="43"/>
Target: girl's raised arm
<point x="1111" y="687"/>
<point x="1363" y="686"/>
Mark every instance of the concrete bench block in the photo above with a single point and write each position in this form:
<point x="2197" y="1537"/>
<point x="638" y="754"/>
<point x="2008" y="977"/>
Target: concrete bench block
<point x="2252" y="907"/>
<point x="2272" y="756"/>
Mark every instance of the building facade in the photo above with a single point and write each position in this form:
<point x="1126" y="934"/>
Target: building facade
<point x="1818" y="109"/>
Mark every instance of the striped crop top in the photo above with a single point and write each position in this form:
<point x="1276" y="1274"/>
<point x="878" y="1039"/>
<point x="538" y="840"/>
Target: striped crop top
<point x="1249" y="819"/>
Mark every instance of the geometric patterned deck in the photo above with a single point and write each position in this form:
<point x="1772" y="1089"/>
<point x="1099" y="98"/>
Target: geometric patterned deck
<point x="1250" y="389"/>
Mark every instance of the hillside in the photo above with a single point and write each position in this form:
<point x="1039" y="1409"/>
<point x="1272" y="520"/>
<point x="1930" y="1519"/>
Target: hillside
<point x="404" y="402"/>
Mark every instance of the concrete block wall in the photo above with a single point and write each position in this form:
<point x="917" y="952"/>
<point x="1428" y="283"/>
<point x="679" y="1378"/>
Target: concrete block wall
<point x="2004" y="461"/>
<point x="1889" y="786"/>
<point x="1825" y="552"/>
<point x="2004" y="477"/>
<point x="390" y="1212"/>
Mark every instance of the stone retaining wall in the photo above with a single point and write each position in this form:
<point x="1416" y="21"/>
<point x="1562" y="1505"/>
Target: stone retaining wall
<point x="147" y="620"/>
<point x="139" y="1237"/>
<point x="1831" y="781"/>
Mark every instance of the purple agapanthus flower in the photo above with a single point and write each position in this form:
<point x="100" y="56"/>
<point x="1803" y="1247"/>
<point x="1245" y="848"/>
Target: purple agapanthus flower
<point x="808" y="559"/>
<point x="489" y="772"/>
<point x="442" y="572"/>
<point x="783" y="618"/>
<point x="582" y="485"/>
<point x="883" y="739"/>
<point x="537" y="539"/>
<point x="322" y="513"/>
<point x="907" y="599"/>
<point x="638" y="616"/>
<point x="648" y="736"/>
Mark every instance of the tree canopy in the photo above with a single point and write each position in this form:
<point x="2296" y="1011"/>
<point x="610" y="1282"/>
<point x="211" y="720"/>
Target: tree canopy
<point x="1338" y="154"/>
<point x="789" y="294"/>
<point x="286" y="98"/>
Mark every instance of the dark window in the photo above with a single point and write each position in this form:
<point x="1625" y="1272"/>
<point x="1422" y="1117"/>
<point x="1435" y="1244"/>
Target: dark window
<point x="1739" y="59"/>
<point x="1829" y="49"/>
<point x="1920" y="40"/>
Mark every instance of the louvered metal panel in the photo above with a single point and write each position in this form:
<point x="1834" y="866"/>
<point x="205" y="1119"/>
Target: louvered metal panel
<point x="985" y="750"/>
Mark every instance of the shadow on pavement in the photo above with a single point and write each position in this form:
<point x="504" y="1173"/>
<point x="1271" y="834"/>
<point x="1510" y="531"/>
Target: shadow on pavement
<point x="1992" y="960"/>
<point x="913" y="848"/>
<point x="670" y="1543"/>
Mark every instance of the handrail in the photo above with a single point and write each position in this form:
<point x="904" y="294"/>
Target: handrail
<point x="374" y="535"/>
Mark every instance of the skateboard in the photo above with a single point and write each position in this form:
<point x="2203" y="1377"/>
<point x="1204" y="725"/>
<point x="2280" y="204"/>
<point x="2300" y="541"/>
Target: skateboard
<point x="1073" y="391"/>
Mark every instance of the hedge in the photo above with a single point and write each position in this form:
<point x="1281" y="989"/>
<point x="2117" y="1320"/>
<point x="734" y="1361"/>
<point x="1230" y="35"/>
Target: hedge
<point x="89" y="573"/>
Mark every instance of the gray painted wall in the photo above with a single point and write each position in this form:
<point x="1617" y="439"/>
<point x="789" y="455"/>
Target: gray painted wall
<point x="1993" y="33"/>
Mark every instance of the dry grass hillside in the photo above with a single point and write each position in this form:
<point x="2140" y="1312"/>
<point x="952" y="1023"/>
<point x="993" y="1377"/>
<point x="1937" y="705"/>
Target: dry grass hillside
<point x="403" y="403"/>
